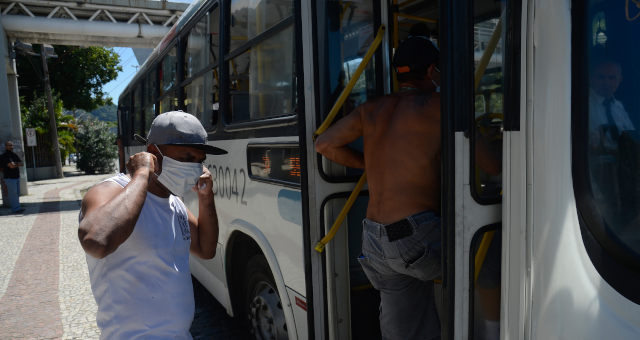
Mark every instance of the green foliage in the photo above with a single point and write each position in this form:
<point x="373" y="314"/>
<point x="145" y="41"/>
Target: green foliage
<point x="77" y="75"/>
<point x="96" y="147"/>
<point x="106" y="113"/>
<point x="36" y="115"/>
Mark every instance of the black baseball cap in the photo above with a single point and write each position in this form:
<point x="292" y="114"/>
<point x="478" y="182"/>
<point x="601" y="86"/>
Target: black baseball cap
<point x="179" y="128"/>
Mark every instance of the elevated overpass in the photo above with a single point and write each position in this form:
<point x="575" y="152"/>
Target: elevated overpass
<point x="133" y="23"/>
<point x="139" y="24"/>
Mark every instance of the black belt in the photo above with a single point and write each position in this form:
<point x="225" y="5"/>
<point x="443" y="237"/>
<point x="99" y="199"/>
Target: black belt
<point x="399" y="230"/>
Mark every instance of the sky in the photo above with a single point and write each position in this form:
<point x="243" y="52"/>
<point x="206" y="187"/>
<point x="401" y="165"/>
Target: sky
<point x="129" y="65"/>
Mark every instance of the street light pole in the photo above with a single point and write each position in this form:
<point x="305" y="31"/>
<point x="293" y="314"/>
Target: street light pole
<point x="52" y="115"/>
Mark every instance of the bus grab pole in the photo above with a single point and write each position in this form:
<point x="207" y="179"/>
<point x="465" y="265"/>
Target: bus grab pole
<point x="327" y="122"/>
<point x="352" y="82"/>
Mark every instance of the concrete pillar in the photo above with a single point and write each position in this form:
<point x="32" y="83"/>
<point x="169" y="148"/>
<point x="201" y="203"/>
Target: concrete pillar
<point x="10" y="122"/>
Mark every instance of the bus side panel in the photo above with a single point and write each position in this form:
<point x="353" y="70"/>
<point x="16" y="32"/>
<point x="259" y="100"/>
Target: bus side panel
<point x="570" y="300"/>
<point x="268" y="213"/>
<point x="299" y="307"/>
<point x="211" y="274"/>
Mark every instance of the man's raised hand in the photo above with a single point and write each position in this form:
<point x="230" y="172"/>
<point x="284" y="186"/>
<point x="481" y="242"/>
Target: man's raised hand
<point x="143" y="161"/>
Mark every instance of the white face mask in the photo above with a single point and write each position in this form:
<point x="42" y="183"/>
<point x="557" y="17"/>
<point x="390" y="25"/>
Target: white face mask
<point x="179" y="177"/>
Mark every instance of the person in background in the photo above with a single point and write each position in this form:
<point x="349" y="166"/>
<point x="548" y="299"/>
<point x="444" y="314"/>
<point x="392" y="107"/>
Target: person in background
<point x="10" y="164"/>
<point x="607" y="116"/>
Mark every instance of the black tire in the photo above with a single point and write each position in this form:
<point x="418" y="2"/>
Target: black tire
<point x="262" y="304"/>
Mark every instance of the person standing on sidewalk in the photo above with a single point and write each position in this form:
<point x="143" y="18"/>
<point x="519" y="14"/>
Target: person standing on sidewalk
<point x="137" y="233"/>
<point x="10" y="164"/>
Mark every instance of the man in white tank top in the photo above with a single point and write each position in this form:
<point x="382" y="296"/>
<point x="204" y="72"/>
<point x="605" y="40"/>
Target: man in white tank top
<point x="138" y="234"/>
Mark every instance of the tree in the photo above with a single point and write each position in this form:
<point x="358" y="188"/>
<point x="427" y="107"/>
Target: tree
<point x="77" y="75"/>
<point x="96" y="147"/>
<point x="35" y="115"/>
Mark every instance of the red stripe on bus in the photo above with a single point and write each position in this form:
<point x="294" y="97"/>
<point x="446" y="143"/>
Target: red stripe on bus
<point x="301" y="303"/>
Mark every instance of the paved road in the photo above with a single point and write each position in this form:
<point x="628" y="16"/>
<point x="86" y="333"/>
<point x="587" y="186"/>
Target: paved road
<point x="44" y="282"/>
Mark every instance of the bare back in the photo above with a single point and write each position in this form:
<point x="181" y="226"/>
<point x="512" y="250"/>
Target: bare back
<point x="402" y="148"/>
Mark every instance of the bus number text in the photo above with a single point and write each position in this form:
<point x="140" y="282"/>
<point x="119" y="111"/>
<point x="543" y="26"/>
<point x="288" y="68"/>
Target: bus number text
<point x="225" y="183"/>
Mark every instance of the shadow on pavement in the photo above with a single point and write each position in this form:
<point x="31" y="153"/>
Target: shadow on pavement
<point x="44" y="207"/>
<point x="211" y="320"/>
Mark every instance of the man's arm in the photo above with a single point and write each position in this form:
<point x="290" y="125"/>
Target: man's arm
<point x="12" y="165"/>
<point x="110" y="212"/>
<point x="204" y="229"/>
<point x="333" y="142"/>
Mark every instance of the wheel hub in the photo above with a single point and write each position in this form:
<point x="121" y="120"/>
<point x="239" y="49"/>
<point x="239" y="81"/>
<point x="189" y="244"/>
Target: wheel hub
<point x="266" y="314"/>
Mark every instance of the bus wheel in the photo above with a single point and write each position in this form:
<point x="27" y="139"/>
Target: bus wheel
<point x="262" y="302"/>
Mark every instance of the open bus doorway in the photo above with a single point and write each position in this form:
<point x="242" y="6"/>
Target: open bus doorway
<point x="350" y="28"/>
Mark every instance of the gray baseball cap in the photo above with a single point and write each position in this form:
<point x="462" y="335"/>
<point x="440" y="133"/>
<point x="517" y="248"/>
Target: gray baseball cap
<point x="179" y="128"/>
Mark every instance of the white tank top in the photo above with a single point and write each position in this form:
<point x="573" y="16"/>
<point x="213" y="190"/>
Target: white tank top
<point x="143" y="289"/>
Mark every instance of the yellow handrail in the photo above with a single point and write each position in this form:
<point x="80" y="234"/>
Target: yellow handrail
<point x="343" y="213"/>
<point x="327" y="122"/>
<point x="417" y="18"/>
<point x="406" y="3"/>
<point x="486" y="56"/>
<point x="482" y="252"/>
<point x="352" y="82"/>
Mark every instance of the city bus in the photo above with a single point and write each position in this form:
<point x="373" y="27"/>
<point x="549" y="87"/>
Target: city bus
<point x="548" y="248"/>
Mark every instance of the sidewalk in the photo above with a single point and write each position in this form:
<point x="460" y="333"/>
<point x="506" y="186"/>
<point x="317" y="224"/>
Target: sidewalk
<point x="44" y="282"/>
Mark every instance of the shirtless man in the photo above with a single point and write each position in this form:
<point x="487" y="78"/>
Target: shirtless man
<point x="401" y="238"/>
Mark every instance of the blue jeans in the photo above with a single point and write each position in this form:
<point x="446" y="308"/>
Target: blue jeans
<point x="403" y="271"/>
<point x="13" y="192"/>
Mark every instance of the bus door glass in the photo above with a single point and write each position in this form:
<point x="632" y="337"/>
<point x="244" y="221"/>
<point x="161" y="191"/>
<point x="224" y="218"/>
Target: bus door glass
<point x="346" y="31"/>
<point x="477" y="242"/>
<point x="485" y="176"/>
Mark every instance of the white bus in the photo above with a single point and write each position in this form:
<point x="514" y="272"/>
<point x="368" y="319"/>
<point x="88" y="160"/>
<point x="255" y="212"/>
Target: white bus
<point x="548" y="249"/>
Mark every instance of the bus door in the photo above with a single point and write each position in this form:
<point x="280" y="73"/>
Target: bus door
<point x="341" y="302"/>
<point x="478" y="95"/>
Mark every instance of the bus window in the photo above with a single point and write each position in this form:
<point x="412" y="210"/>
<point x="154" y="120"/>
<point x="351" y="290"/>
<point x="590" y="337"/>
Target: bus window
<point x="149" y="115"/>
<point x="169" y="65"/>
<point x="124" y="119"/>
<point x="606" y="144"/>
<point x="614" y="156"/>
<point x="214" y="40"/>
<point x="194" y="95"/>
<point x="349" y="33"/>
<point x="197" y="51"/>
<point x="137" y="112"/>
<point x="258" y="90"/>
<point x="199" y="101"/>
<point x="251" y="18"/>
<point x="149" y="101"/>
<point x="486" y="131"/>
<point x="212" y="101"/>
<point x="169" y="102"/>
